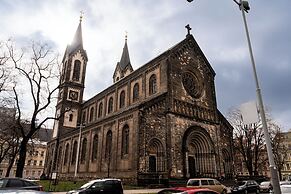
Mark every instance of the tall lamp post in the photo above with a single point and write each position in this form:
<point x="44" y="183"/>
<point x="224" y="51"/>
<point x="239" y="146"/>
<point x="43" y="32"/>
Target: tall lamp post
<point x="244" y="7"/>
<point x="274" y="173"/>
<point x="78" y="148"/>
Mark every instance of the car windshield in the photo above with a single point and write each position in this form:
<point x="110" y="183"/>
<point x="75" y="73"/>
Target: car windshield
<point x="193" y="183"/>
<point x="240" y="183"/>
<point x="87" y="185"/>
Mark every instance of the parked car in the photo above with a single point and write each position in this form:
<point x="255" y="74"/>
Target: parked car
<point x="248" y="186"/>
<point x="285" y="183"/>
<point x="209" y="183"/>
<point x="265" y="186"/>
<point x="100" y="186"/>
<point x="20" y="191"/>
<point x="187" y="190"/>
<point x="19" y="183"/>
<point x="285" y="189"/>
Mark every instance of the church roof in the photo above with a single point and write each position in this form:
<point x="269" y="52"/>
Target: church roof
<point x="125" y="60"/>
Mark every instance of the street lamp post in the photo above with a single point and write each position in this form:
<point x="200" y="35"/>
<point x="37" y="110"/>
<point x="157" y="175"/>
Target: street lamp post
<point x="244" y="7"/>
<point x="274" y="174"/>
<point x="78" y="149"/>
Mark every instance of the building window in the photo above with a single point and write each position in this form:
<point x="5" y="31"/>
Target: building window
<point x="42" y="153"/>
<point x="84" y="148"/>
<point x="66" y="154"/>
<point x="84" y="117"/>
<point x="28" y="162"/>
<point x="91" y="114"/>
<point x="74" y="155"/>
<point x="71" y="117"/>
<point x="122" y="99"/>
<point x="108" y="144"/>
<point x="152" y="84"/>
<point x="135" y="92"/>
<point x="95" y="148"/>
<point x="76" y="72"/>
<point x="40" y="163"/>
<point x="100" y="109"/>
<point x="34" y="162"/>
<point x="125" y="140"/>
<point x="110" y="105"/>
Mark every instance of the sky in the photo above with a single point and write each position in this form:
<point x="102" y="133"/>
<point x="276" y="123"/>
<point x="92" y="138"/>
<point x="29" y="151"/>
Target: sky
<point x="153" y="26"/>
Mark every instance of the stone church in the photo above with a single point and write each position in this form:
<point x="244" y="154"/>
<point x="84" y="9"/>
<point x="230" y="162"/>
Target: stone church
<point x="154" y="124"/>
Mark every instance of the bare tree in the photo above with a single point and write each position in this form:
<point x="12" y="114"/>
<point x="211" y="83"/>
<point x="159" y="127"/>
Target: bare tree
<point x="280" y="150"/>
<point x="5" y="76"/>
<point x="38" y="69"/>
<point x="249" y="142"/>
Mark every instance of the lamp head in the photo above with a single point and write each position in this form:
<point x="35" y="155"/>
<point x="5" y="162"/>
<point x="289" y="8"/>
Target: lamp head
<point x="246" y="5"/>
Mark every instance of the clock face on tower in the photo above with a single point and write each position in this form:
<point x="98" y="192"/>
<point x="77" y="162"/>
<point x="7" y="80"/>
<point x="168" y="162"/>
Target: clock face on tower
<point x="73" y="95"/>
<point x="191" y="84"/>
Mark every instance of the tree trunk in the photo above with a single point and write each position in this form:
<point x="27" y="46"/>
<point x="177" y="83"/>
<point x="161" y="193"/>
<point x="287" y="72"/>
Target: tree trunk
<point x="10" y="164"/>
<point x="22" y="157"/>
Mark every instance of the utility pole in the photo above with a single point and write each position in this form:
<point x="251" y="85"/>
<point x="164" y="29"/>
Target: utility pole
<point x="78" y="149"/>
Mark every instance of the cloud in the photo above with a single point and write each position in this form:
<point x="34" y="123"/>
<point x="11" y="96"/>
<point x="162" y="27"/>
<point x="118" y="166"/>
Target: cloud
<point x="154" y="26"/>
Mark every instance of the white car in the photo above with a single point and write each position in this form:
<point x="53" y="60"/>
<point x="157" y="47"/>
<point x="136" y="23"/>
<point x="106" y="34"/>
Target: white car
<point x="285" y="189"/>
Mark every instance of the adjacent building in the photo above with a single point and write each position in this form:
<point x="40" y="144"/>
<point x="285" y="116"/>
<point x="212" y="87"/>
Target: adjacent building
<point x="156" y="123"/>
<point x="35" y="157"/>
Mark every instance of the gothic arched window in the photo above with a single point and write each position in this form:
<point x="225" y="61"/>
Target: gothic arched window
<point x="135" y="92"/>
<point x="95" y="148"/>
<point x="108" y="144"/>
<point x="122" y="99"/>
<point x="91" y="114"/>
<point x="152" y="84"/>
<point x="100" y="109"/>
<point x="66" y="154"/>
<point x="74" y="155"/>
<point x="76" y="71"/>
<point x="83" y="152"/>
<point x="110" y="105"/>
<point x="125" y="140"/>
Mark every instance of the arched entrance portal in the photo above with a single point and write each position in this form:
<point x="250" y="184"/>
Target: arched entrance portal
<point x="198" y="154"/>
<point x="226" y="162"/>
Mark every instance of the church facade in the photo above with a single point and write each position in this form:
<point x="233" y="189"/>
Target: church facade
<point x="156" y="123"/>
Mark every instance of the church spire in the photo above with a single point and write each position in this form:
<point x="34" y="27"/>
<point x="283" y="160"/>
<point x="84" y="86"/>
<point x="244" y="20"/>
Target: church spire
<point x="78" y="39"/>
<point x="123" y="67"/>
<point x="125" y="60"/>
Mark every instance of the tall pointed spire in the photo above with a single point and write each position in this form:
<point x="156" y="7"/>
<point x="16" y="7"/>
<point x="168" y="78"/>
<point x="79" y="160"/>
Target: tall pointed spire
<point x="78" y="39"/>
<point x="125" y="60"/>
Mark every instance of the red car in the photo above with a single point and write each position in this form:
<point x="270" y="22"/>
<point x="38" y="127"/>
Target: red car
<point x="187" y="190"/>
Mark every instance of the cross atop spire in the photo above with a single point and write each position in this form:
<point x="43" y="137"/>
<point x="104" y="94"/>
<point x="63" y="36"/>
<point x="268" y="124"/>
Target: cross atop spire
<point x="126" y="36"/>
<point x="188" y="29"/>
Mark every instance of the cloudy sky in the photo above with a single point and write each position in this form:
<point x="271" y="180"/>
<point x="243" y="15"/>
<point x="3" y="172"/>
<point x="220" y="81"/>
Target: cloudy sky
<point x="153" y="26"/>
